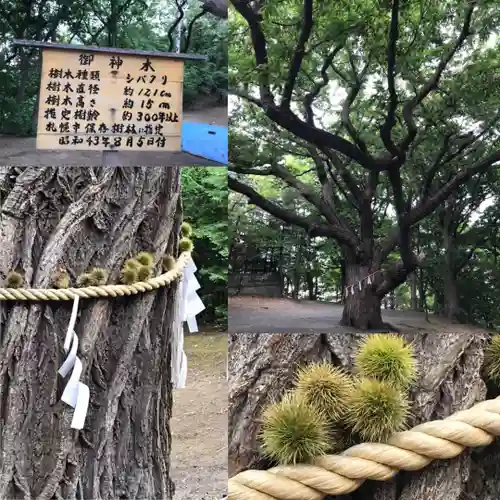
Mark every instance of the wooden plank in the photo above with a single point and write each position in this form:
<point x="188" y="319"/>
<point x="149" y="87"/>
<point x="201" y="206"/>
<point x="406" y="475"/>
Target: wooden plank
<point x="96" y="94"/>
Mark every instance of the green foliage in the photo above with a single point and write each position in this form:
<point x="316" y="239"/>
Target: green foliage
<point x="293" y="431"/>
<point x="14" y="280"/>
<point x="461" y="107"/>
<point x="326" y="388"/>
<point x="387" y="358"/>
<point x="492" y="359"/>
<point x="205" y="204"/>
<point x="376" y="410"/>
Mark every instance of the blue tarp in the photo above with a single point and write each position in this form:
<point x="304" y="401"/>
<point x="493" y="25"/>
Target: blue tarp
<point x="207" y="141"/>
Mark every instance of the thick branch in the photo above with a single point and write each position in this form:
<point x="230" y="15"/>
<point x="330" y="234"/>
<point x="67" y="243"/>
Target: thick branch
<point x="284" y="117"/>
<point x="390" y="121"/>
<point x="346" y="108"/>
<point x="307" y="223"/>
<point x="180" y="9"/>
<point x="299" y="54"/>
<point x="428" y="205"/>
<point x="190" y="29"/>
<point x="259" y="47"/>
<point x="311" y="96"/>
<point x="397" y="274"/>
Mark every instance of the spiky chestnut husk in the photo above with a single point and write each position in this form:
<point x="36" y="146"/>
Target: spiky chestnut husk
<point x="144" y="273"/>
<point x="186" y="245"/>
<point x="145" y="258"/>
<point x="128" y="275"/>
<point x="387" y="357"/>
<point x="492" y="359"/>
<point x="168" y="263"/>
<point x="85" y="279"/>
<point x="99" y="275"/>
<point x="293" y="431"/>
<point x="326" y="387"/>
<point x="60" y="279"/>
<point x="186" y="229"/>
<point x="14" y="280"/>
<point x="132" y="264"/>
<point x="376" y="410"/>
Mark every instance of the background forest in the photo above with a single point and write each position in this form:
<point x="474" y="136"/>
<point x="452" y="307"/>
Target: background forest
<point x="204" y="198"/>
<point x="158" y="25"/>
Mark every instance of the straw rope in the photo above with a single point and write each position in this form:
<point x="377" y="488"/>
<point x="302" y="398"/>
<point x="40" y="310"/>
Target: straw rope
<point x="340" y="474"/>
<point x="90" y="292"/>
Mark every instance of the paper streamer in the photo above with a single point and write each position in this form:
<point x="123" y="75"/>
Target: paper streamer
<point x="179" y="361"/>
<point x="75" y="394"/>
<point x="188" y="306"/>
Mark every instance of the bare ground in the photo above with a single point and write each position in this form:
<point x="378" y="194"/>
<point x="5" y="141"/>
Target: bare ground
<point x="21" y="151"/>
<point x="269" y="315"/>
<point x="199" y="422"/>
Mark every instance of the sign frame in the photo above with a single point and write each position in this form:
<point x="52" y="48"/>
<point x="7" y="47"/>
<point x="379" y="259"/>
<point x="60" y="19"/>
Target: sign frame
<point x="109" y="154"/>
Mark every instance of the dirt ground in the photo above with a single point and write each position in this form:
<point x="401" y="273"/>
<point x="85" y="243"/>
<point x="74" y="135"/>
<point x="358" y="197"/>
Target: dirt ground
<point x="269" y="315"/>
<point x="199" y="422"/>
<point x="21" y="151"/>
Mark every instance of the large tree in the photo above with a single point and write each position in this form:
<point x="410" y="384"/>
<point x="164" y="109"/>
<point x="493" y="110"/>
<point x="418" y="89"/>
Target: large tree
<point x="75" y="219"/>
<point x="392" y="103"/>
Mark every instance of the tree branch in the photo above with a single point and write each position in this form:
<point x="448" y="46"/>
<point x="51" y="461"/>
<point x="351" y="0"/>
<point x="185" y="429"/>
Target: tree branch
<point x="427" y="206"/>
<point x="307" y="223"/>
<point x="311" y="96"/>
<point x="390" y="121"/>
<point x="190" y="29"/>
<point x="299" y="54"/>
<point x="346" y="108"/>
<point x="433" y="82"/>
<point x="180" y="9"/>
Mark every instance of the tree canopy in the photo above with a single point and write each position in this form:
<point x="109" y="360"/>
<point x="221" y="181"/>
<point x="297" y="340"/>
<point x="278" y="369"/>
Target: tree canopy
<point x="376" y="114"/>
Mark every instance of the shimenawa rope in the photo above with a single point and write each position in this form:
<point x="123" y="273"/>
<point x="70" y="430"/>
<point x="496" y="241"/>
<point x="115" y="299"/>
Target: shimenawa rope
<point x="341" y="474"/>
<point x="98" y="291"/>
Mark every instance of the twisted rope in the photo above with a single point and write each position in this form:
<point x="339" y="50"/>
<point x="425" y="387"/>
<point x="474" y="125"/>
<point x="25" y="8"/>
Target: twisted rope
<point x="89" y="292"/>
<point x="341" y="474"/>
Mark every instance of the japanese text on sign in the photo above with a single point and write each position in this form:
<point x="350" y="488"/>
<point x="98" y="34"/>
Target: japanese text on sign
<point x="105" y="101"/>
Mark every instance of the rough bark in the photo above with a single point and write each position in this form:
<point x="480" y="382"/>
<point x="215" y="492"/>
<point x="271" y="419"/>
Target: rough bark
<point x="363" y="309"/>
<point x="78" y="219"/>
<point x="261" y="368"/>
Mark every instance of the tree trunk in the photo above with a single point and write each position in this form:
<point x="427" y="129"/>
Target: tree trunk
<point x="262" y="367"/>
<point x="78" y="219"/>
<point x="450" y="278"/>
<point x="363" y="309"/>
<point x="414" y="288"/>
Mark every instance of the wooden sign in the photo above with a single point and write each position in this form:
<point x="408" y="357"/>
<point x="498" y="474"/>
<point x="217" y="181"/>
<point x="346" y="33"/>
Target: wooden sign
<point x="109" y="101"/>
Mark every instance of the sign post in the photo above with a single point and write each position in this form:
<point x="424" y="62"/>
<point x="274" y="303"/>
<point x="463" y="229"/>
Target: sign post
<point x="108" y="99"/>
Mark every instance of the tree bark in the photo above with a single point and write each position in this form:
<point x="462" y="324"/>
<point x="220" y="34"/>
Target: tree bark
<point x="363" y="309"/>
<point x="262" y="367"/>
<point x="78" y="219"/>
